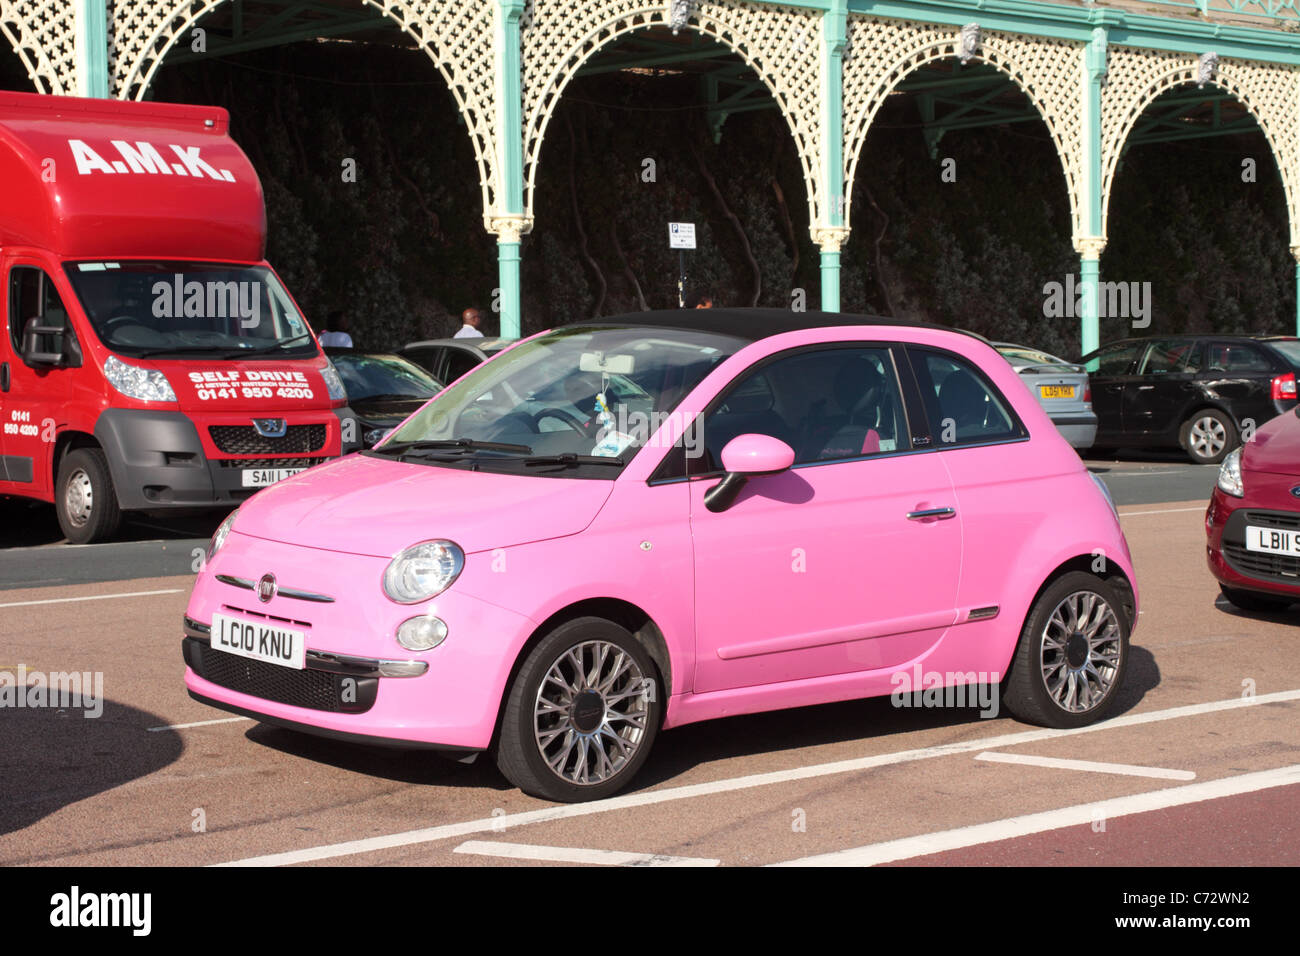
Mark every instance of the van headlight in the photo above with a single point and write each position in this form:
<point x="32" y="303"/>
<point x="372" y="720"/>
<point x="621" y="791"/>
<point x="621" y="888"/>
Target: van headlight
<point x="1230" y="481"/>
<point x="219" y="536"/>
<point x="142" y="384"/>
<point x="423" y="571"/>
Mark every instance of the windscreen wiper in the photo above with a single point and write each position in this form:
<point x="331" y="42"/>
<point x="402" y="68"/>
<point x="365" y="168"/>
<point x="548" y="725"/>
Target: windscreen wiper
<point x="568" y="459"/>
<point x="401" y="449"/>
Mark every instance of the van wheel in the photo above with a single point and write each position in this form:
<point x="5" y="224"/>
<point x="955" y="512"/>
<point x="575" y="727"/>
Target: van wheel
<point x="84" y="498"/>
<point x="1072" y="655"/>
<point x="1208" y="436"/>
<point x="581" y="715"/>
<point x="1253" y="600"/>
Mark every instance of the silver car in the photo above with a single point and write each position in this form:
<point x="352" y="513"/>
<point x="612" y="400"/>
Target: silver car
<point x="1061" y="388"/>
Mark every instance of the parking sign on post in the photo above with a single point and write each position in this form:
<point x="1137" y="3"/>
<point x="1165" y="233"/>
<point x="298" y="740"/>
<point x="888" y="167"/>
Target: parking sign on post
<point x="681" y="236"/>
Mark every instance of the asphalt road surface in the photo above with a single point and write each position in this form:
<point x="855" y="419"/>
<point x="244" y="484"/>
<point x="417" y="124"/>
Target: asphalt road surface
<point x="1200" y="766"/>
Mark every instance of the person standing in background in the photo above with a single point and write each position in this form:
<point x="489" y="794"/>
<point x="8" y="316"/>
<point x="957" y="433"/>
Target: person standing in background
<point x="336" y="330"/>
<point x="472" y="320"/>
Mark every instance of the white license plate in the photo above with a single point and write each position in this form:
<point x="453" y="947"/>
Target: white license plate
<point x="1273" y="541"/>
<point x="262" y="641"/>
<point x="261" y="477"/>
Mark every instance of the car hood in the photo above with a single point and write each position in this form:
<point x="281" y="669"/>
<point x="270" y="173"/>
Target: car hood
<point x="373" y="506"/>
<point x="1275" y="448"/>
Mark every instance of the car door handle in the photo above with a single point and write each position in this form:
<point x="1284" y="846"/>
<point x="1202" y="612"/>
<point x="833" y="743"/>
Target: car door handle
<point x="931" y="513"/>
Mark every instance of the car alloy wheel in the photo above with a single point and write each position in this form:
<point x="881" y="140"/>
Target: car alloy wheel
<point x="1207" y="438"/>
<point x="590" y="713"/>
<point x="1080" y="649"/>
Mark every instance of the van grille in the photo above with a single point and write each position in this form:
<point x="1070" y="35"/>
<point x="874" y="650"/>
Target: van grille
<point x="244" y="440"/>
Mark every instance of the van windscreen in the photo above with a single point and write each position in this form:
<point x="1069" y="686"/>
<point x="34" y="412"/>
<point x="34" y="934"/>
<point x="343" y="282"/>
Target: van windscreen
<point x="163" y="309"/>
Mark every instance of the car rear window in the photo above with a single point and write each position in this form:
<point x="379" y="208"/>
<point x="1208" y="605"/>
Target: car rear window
<point x="1290" y="350"/>
<point x="964" y="408"/>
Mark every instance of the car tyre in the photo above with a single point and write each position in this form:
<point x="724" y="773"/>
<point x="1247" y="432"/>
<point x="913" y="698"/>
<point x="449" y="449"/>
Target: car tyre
<point x="1253" y="600"/>
<point x="1208" y="436"/>
<point x="84" y="498"/>
<point x="1072" y="655"/>
<point x="581" y="714"/>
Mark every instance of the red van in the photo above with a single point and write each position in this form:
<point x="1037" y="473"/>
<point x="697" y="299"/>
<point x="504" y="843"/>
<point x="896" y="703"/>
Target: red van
<point x="151" y="359"/>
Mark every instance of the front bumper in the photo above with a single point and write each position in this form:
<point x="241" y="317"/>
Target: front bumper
<point x="1233" y="565"/>
<point x="452" y="704"/>
<point x="161" y="460"/>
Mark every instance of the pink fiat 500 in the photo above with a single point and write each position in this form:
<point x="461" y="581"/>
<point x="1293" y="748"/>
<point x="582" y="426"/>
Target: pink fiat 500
<point x="639" y="522"/>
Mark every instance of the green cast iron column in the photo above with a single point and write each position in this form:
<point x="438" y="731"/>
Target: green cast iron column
<point x="91" y="33"/>
<point x="832" y="233"/>
<point x="508" y="221"/>
<point x="1093" y="240"/>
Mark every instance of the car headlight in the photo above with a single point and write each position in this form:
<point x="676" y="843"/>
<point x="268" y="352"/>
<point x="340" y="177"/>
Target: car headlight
<point x="423" y="571"/>
<point x="1230" y="482"/>
<point x="142" y="384"/>
<point x="219" y="536"/>
<point x="333" y="384"/>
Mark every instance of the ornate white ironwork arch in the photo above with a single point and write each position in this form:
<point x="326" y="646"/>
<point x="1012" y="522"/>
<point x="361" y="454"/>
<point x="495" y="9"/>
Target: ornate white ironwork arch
<point x="782" y="45"/>
<point x="1270" y="92"/>
<point x="882" y="53"/>
<point x="42" y="33"/>
<point x="457" y="37"/>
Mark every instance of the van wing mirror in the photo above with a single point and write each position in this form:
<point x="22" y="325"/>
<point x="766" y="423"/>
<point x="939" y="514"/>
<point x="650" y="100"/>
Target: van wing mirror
<point x="33" y="353"/>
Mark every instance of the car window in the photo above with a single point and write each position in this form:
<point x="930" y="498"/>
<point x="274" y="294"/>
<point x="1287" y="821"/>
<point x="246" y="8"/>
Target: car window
<point x="827" y="404"/>
<point x="963" y="406"/>
<point x="1168" y="355"/>
<point x="1113" y="359"/>
<point x="458" y="363"/>
<point x="1235" y="357"/>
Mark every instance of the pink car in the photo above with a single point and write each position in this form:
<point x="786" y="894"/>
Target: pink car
<point x="634" y="523"/>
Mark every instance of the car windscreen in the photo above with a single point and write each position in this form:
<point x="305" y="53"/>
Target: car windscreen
<point x="381" y="376"/>
<point x="181" y="308"/>
<point x="576" y="397"/>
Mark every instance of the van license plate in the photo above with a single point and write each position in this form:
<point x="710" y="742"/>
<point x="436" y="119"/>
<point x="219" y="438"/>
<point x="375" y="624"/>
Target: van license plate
<point x="269" y="643"/>
<point x="261" y="477"/>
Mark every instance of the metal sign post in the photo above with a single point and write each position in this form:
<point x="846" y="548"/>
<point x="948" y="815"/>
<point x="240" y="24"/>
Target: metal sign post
<point x="681" y="236"/>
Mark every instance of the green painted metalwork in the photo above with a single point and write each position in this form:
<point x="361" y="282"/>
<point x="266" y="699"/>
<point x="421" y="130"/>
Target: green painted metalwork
<point x="1090" y="246"/>
<point x="834" y="35"/>
<point x="92" y="40"/>
<point x="511" y="164"/>
<point x="295" y="23"/>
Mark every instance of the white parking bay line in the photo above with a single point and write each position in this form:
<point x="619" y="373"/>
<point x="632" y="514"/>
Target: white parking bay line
<point x="1089" y="766"/>
<point x="650" y="797"/>
<point x="1160" y="511"/>
<point x="92" y="597"/>
<point x="199" y="723"/>
<point x="1082" y="814"/>
<point x="565" y="854"/>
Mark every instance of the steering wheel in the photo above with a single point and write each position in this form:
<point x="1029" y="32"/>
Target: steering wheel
<point x="571" y="420"/>
<point x="124" y="317"/>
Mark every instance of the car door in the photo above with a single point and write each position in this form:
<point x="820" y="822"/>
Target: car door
<point x="846" y="562"/>
<point x="32" y="398"/>
<point x="1111" y="370"/>
<point x="1155" y="401"/>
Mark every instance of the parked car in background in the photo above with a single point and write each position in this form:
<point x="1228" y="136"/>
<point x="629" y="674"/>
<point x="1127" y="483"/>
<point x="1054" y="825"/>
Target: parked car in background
<point x="646" y="479"/>
<point x="383" y="389"/>
<point x="1061" y="388"/>
<point x="1195" y="392"/>
<point x="449" y="359"/>
<point x="1253" y="521"/>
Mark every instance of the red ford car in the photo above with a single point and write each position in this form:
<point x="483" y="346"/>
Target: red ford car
<point x="1253" y="522"/>
<point x="150" y="358"/>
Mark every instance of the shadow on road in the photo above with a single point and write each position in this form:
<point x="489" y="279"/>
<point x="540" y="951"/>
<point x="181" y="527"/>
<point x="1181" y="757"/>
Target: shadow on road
<point x="30" y="524"/>
<point x="51" y="758"/>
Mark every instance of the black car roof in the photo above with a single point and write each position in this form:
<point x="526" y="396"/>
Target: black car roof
<point x="752" y="324"/>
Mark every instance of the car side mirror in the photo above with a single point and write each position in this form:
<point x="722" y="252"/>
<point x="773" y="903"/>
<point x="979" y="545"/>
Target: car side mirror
<point x="744" y="457"/>
<point x="33" y="332"/>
